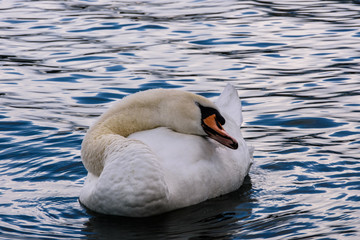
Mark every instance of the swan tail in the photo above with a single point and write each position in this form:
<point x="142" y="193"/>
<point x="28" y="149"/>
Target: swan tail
<point x="230" y="104"/>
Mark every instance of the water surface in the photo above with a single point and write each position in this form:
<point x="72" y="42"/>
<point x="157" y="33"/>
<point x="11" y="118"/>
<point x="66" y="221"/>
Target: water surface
<point x="295" y="65"/>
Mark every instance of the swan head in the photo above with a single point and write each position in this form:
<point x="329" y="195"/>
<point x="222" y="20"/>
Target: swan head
<point x="193" y="114"/>
<point x="180" y="111"/>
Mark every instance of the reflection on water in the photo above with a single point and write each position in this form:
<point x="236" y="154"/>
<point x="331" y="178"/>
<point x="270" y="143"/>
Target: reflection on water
<point x="222" y="214"/>
<point x="295" y="64"/>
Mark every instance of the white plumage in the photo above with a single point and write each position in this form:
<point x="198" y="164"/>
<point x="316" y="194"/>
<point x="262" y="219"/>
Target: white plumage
<point x="149" y="154"/>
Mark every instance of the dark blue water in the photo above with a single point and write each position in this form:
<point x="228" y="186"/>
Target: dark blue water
<point x="295" y="65"/>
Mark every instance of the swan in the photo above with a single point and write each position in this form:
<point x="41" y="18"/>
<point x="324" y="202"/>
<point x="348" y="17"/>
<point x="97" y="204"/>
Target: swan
<point x="159" y="150"/>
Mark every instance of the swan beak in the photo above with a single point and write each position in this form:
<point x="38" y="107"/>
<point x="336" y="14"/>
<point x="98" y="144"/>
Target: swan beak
<point x="214" y="130"/>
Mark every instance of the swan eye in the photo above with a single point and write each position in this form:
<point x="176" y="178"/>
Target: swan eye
<point x="208" y="111"/>
<point x="211" y="122"/>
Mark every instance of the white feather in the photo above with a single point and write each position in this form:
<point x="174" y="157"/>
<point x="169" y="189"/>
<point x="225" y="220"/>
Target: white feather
<point x="158" y="170"/>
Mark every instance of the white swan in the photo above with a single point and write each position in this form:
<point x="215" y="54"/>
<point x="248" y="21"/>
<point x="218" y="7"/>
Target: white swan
<point x="153" y="152"/>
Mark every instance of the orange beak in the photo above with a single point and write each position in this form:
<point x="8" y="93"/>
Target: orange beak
<point x="215" y="131"/>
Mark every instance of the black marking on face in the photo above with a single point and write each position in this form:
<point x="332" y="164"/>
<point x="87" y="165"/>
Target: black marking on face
<point x="208" y="111"/>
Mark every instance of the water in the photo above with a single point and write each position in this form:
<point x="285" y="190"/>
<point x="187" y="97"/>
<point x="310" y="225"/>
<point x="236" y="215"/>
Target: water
<point x="294" y="63"/>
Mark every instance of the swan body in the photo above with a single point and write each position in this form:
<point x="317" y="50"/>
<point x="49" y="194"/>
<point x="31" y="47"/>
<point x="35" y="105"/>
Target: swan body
<point x="156" y="151"/>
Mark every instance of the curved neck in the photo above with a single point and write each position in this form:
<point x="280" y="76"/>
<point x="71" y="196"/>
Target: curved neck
<point x="128" y="121"/>
<point x="114" y="127"/>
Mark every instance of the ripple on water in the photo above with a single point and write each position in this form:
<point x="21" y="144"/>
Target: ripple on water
<point x="296" y="67"/>
<point x="297" y="122"/>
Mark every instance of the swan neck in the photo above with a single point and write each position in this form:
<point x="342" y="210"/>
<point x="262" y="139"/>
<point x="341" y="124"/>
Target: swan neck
<point x="130" y="121"/>
<point x="111" y="128"/>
